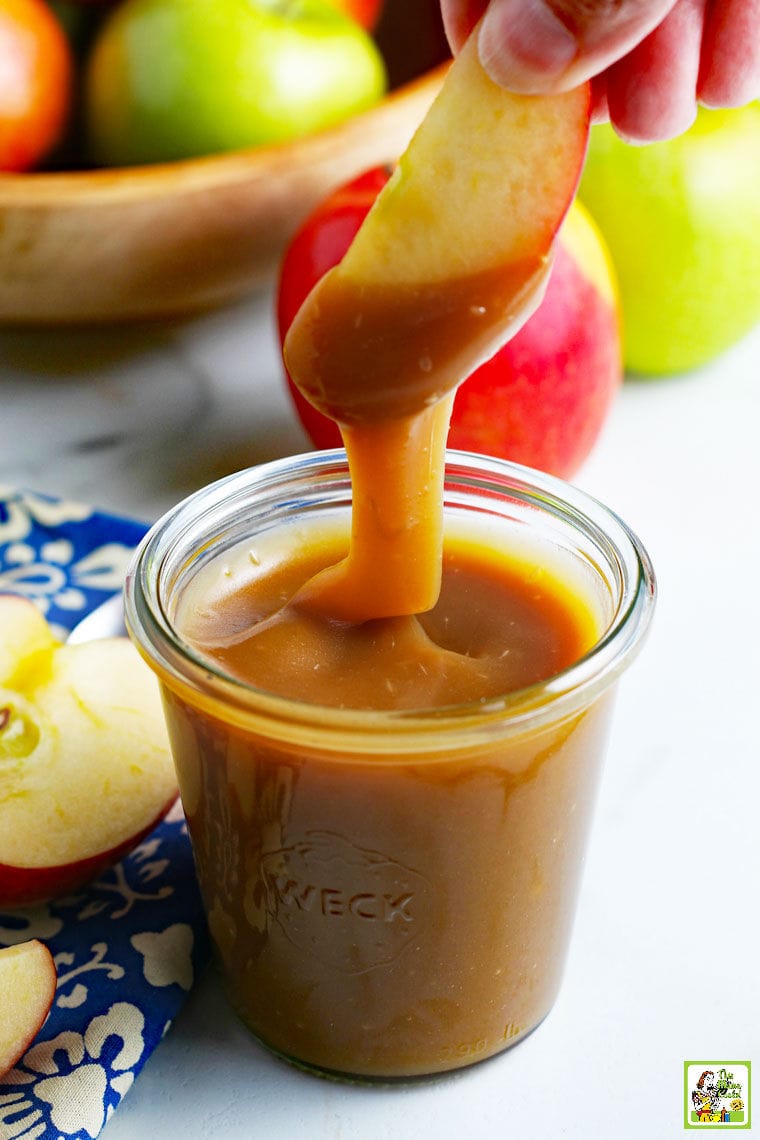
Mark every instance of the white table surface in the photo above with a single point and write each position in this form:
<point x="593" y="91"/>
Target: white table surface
<point x="663" y="966"/>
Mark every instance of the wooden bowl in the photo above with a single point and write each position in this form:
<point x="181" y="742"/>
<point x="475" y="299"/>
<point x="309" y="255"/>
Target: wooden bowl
<point x="165" y="240"/>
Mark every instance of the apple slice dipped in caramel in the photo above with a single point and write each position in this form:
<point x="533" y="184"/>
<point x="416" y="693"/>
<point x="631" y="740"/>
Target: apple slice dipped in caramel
<point x="85" y="766"/>
<point x="451" y="260"/>
<point x="27" y="988"/>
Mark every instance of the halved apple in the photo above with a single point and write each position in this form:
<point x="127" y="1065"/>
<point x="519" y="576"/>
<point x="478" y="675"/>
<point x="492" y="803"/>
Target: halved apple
<point x="27" y="988"/>
<point x="85" y="766"/>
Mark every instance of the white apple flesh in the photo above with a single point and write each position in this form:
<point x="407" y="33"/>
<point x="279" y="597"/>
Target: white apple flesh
<point x="27" y="988"/>
<point x="85" y="765"/>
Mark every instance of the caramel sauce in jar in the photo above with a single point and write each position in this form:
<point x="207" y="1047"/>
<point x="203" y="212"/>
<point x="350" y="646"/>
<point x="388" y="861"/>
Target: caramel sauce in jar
<point x="388" y="818"/>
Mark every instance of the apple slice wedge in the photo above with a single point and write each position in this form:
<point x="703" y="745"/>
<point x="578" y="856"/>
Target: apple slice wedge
<point x="27" y="988"/>
<point x="454" y="254"/>
<point x="451" y="260"/>
<point x="85" y="766"/>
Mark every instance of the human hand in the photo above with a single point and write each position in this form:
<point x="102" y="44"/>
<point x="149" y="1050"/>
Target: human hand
<point x="650" y="61"/>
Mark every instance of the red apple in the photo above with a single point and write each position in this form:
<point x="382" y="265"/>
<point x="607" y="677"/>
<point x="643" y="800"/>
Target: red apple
<point x="544" y="396"/>
<point x="365" y="12"/>
<point x="27" y="988"/>
<point x="85" y="765"/>
<point x="36" y="83"/>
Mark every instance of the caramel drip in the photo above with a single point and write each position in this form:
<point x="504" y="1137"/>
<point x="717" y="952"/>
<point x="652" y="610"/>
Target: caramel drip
<point x="384" y="362"/>
<point x="393" y="567"/>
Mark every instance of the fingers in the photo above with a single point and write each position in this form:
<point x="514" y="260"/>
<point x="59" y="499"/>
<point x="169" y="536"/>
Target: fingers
<point x="651" y="92"/>
<point x="525" y="46"/>
<point x="536" y="46"/>
<point x="730" y="71"/>
<point x="650" y="61"/>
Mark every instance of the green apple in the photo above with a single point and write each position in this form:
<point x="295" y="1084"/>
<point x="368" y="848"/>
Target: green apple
<point x="170" y="79"/>
<point x="682" y="221"/>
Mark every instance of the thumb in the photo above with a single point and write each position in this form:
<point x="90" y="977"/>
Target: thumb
<point x="539" y="46"/>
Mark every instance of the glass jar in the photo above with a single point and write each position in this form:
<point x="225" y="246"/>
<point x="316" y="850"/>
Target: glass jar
<point x="390" y="893"/>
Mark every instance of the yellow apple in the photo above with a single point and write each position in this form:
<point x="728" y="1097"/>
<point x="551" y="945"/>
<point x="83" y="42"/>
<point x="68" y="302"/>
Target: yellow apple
<point x="85" y="766"/>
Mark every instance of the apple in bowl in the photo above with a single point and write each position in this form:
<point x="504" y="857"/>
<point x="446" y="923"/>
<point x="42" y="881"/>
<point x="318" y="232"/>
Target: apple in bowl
<point x="544" y="396"/>
<point x="165" y="239"/>
<point x="85" y="766"/>
<point x="176" y="79"/>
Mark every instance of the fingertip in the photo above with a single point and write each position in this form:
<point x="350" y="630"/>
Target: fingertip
<point x="729" y="74"/>
<point x="651" y="92"/>
<point x="645" y="111"/>
<point x="642" y="130"/>
<point x="720" y="87"/>
<point x="523" y="46"/>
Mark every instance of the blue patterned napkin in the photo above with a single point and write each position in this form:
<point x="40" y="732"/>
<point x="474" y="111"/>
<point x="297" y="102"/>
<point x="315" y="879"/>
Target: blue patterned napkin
<point x="128" y="947"/>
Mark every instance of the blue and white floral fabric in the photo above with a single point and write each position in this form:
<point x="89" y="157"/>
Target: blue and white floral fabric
<point x="129" y="947"/>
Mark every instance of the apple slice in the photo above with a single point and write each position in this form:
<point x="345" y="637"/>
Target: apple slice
<point x="27" y="988"/>
<point x="452" y="257"/>
<point x="451" y="260"/>
<point x="85" y="766"/>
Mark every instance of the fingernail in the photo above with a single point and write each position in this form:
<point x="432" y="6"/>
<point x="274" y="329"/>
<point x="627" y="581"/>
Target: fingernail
<point x="524" y="46"/>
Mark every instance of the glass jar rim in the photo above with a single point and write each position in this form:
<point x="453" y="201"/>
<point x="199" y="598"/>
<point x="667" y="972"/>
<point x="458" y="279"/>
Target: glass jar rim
<point x="446" y="728"/>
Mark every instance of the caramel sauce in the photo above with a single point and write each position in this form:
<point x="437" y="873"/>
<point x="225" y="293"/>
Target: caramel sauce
<point x="384" y="363"/>
<point x="390" y="915"/>
<point x="499" y="624"/>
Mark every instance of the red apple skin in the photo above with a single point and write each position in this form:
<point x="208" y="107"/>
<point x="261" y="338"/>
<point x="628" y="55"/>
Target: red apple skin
<point x="365" y="12"/>
<point x="26" y="886"/>
<point x="542" y="400"/>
